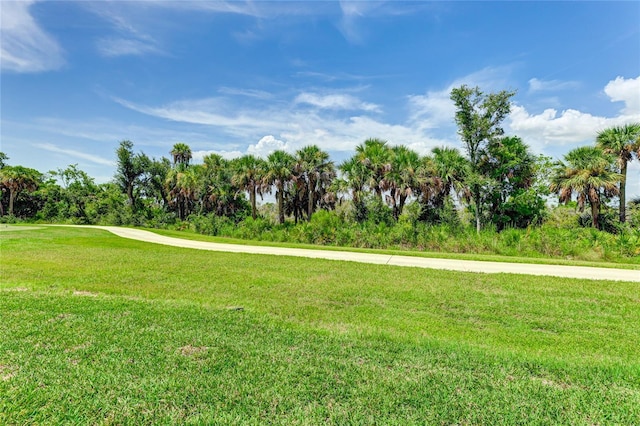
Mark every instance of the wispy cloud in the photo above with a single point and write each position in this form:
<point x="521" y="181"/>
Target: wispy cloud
<point x="75" y="154"/>
<point x="250" y="93"/>
<point x="25" y="46"/>
<point x="130" y="34"/>
<point x="335" y="102"/>
<point x="536" y="85"/>
<point x="126" y="47"/>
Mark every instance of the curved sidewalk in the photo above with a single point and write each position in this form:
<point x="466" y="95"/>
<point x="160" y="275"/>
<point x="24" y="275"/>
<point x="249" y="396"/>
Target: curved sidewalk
<point x="581" y="272"/>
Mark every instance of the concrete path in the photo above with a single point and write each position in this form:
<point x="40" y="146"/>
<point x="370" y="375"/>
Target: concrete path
<point x="581" y="272"/>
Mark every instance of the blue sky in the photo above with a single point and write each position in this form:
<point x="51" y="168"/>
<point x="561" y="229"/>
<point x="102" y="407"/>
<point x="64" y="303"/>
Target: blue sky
<point x="251" y="77"/>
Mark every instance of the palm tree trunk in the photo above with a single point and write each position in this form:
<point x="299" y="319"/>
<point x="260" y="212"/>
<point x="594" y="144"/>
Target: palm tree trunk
<point x="623" y="193"/>
<point x="12" y="196"/>
<point x="311" y="203"/>
<point x="252" y="197"/>
<point x="595" y="207"/>
<point x="403" y="199"/>
<point x="280" y="195"/>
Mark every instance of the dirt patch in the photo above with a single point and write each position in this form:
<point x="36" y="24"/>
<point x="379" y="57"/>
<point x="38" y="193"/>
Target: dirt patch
<point x="192" y="350"/>
<point x="7" y="372"/>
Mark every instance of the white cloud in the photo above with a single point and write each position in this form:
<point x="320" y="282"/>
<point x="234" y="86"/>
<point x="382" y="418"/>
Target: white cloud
<point x="550" y="128"/>
<point x="266" y="145"/>
<point x="536" y="85"/>
<point x="25" y="46"/>
<point x="571" y="127"/>
<point x="76" y="154"/>
<point x="627" y="91"/>
<point x="335" y="102"/>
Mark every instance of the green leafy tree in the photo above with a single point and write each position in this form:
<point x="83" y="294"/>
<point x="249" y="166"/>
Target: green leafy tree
<point x="622" y="142"/>
<point x="182" y="187"/>
<point x="79" y="189"/>
<point x="375" y="155"/>
<point x="279" y="171"/>
<point x="154" y="188"/>
<point x="181" y="154"/>
<point x="17" y="179"/>
<point x="586" y="171"/>
<point x="511" y="168"/>
<point x="402" y="177"/>
<point x="130" y="170"/>
<point x="316" y="172"/>
<point x="354" y="179"/>
<point x="479" y="117"/>
<point x="249" y="175"/>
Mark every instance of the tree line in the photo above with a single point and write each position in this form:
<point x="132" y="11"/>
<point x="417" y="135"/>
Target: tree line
<point x="495" y="179"/>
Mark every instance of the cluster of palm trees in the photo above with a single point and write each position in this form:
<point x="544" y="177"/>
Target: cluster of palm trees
<point x="598" y="172"/>
<point x="392" y="176"/>
<point x="301" y="182"/>
<point x="308" y="180"/>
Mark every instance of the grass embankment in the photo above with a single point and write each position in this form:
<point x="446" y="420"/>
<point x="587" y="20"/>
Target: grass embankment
<point x="98" y="329"/>
<point x="549" y="241"/>
<point x="621" y="263"/>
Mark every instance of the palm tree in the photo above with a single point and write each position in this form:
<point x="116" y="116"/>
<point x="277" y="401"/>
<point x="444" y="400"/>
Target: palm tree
<point x="279" y="171"/>
<point x="451" y="167"/>
<point x="587" y="172"/>
<point x="402" y="177"/>
<point x="375" y="155"/>
<point x="181" y="154"/>
<point x="248" y="175"/>
<point x="16" y="179"/>
<point x="182" y="186"/>
<point x="317" y="171"/>
<point x="622" y="142"/>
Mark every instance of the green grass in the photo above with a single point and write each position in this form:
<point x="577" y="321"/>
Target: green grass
<point x="98" y="329"/>
<point x="190" y="235"/>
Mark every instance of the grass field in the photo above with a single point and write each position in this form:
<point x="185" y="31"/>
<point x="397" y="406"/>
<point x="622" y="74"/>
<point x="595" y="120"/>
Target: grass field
<point x="101" y="330"/>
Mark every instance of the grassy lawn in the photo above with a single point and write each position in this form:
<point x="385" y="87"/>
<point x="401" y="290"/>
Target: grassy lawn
<point x="98" y="329"/>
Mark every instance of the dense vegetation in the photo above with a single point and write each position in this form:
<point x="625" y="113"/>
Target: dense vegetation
<point x="98" y="329"/>
<point x="383" y="196"/>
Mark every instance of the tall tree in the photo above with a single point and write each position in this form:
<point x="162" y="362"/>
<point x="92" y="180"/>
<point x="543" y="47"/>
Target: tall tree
<point x="79" y="189"/>
<point x="182" y="187"/>
<point x="354" y="179"/>
<point x="511" y="168"/>
<point x="17" y="179"/>
<point x="401" y="179"/>
<point x="317" y="170"/>
<point x="451" y="168"/>
<point x="248" y="175"/>
<point x="129" y="171"/>
<point x="375" y="155"/>
<point x="279" y="171"/>
<point x="622" y="142"/>
<point x="479" y="117"/>
<point x="587" y="172"/>
<point x="181" y="154"/>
